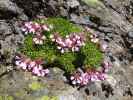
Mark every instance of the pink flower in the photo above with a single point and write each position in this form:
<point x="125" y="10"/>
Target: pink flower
<point x="22" y="62"/>
<point x="36" y="71"/>
<point x="44" y="72"/>
<point x="45" y="27"/>
<point x="33" y="66"/>
<point x="72" y="42"/>
<point x="85" y="78"/>
<point x="103" y="46"/>
<point x="76" y="79"/>
<point x="33" y="27"/>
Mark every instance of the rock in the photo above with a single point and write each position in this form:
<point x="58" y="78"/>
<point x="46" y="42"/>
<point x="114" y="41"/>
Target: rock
<point x="111" y="80"/>
<point x="9" y="42"/>
<point x="8" y="10"/>
<point x="72" y="3"/>
<point x="130" y="39"/>
<point x="130" y="35"/>
<point x="63" y="12"/>
<point x="33" y="88"/>
<point x="5" y="29"/>
<point x="118" y="48"/>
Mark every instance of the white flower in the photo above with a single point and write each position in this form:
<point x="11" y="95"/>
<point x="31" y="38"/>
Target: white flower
<point x="74" y="82"/>
<point x="62" y="50"/>
<point x="95" y="40"/>
<point x="17" y="62"/>
<point x="72" y="77"/>
<point x="59" y="47"/>
<point x="23" y="29"/>
<point x="51" y="26"/>
<point x="39" y="39"/>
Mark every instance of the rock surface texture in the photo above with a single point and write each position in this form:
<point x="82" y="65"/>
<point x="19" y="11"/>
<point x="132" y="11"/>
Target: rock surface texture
<point x="111" y="19"/>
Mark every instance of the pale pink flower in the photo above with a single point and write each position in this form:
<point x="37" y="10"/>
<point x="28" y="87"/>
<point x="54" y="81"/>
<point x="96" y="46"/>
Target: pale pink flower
<point x="33" y="27"/>
<point x="85" y="78"/>
<point x="103" y="46"/>
<point x="33" y="66"/>
<point x="72" y="42"/>
<point x="39" y="39"/>
<point x="45" y="27"/>
<point x="94" y="38"/>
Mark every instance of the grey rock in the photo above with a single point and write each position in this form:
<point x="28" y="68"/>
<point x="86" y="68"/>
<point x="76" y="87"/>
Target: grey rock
<point x="36" y="87"/>
<point x="9" y="10"/>
<point x="5" y="29"/>
<point x="130" y="35"/>
<point x="72" y="3"/>
<point x="8" y="5"/>
<point x="9" y="41"/>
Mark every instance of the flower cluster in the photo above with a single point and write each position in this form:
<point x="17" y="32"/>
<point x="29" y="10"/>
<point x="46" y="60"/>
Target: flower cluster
<point x="33" y="66"/>
<point x="39" y="39"/>
<point x="83" y="78"/>
<point x="94" y="38"/>
<point x="72" y="42"/>
<point x="35" y="28"/>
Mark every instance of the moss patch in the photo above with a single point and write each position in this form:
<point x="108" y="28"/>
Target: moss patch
<point x="6" y="98"/>
<point x="93" y="3"/>
<point x="36" y="86"/>
<point x="48" y="98"/>
<point x="93" y="56"/>
<point x="60" y="25"/>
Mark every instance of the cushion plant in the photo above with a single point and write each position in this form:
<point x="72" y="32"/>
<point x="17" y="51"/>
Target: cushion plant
<point x="61" y="43"/>
<point x="90" y="53"/>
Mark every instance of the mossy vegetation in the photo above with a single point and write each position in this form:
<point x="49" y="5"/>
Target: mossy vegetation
<point x="93" y="3"/>
<point x="64" y="27"/>
<point x="89" y="55"/>
<point x="48" y="98"/>
<point x="6" y="98"/>
<point x="36" y="86"/>
<point x="93" y="56"/>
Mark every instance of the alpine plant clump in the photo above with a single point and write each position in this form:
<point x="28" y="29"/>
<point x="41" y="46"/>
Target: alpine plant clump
<point x="58" y="42"/>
